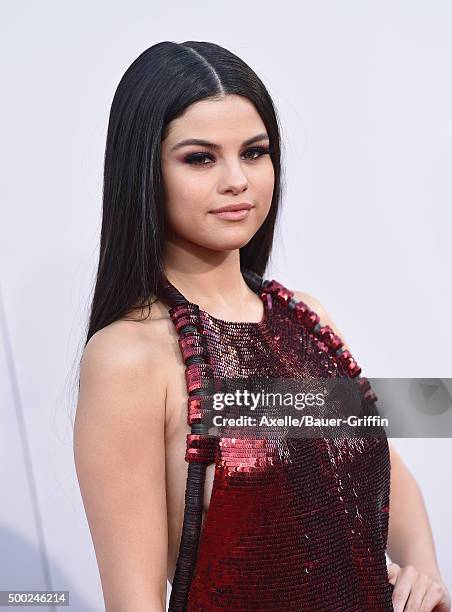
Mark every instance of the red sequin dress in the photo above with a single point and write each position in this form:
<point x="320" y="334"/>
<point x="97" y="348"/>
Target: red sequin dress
<point x="298" y="531"/>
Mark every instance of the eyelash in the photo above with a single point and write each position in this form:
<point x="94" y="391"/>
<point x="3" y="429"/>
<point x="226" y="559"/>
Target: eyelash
<point x="194" y="158"/>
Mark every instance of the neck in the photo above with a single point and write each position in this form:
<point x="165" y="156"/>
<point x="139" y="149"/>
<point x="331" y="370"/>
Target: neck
<point x="212" y="279"/>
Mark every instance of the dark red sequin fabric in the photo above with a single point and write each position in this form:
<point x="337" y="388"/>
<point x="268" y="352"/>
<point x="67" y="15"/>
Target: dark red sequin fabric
<point x="303" y="528"/>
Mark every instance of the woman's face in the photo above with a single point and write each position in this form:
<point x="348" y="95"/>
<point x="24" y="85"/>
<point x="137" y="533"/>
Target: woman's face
<point x="200" y="178"/>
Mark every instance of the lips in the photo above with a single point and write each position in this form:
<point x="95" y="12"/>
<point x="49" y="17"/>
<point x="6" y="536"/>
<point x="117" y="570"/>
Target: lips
<point x="233" y="215"/>
<point x="233" y="207"/>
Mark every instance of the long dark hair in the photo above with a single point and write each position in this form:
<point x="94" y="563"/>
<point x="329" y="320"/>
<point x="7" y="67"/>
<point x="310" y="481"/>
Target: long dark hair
<point x="157" y="87"/>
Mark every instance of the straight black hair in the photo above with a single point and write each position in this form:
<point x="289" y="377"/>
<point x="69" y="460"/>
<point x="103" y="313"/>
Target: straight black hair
<point x="157" y="88"/>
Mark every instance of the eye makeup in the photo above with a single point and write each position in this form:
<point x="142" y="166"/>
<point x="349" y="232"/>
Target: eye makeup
<point x="197" y="158"/>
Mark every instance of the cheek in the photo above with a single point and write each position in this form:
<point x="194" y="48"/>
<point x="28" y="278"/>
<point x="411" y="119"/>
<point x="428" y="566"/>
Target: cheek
<point x="187" y="188"/>
<point x="266" y="182"/>
<point x="188" y="197"/>
<point x="262" y="185"/>
<point x="183" y="185"/>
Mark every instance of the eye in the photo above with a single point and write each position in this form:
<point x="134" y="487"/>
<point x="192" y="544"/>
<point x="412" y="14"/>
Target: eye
<point x="259" y="151"/>
<point x="198" y="159"/>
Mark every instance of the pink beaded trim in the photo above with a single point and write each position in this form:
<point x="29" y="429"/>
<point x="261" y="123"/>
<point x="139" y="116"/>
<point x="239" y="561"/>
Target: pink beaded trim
<point x="185" y="314"/>
<point x="200" y="447"/>
<point x="198" y="407"/>
<point x="191" y="344"/>
<point x="327" y="339"/>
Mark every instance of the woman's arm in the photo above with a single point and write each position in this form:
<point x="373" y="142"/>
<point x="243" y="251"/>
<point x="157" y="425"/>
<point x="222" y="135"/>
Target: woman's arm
<point x="410" y="539"/>
<point x="119" y="453"/>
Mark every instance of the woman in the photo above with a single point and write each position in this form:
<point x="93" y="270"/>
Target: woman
<point x="193" y="130"/>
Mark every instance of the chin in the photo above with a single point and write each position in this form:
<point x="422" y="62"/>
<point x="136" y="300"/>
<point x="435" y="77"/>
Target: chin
<point x="229" y="243"/>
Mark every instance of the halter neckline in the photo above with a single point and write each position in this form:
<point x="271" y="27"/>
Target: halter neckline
<point x="239" y="324"/>
<point x="174" y="298"/>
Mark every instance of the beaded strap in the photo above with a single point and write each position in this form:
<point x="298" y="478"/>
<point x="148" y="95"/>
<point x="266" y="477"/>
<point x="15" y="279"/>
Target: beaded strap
<point x="326" y="339"/>
<point x="198" y="373"/>
<point x="200" y="448"/>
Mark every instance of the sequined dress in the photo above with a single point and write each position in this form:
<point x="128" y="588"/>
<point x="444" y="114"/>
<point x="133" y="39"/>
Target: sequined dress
<point x="304" y="532"/>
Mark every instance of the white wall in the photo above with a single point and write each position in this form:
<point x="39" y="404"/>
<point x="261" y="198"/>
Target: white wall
<point x="365" y="97"/>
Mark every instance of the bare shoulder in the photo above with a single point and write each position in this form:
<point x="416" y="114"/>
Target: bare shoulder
<point x="124" y="374"/>
<point x="129" y="346"/>
<point x="123" y="380"/>
<point x="318" y="308"/>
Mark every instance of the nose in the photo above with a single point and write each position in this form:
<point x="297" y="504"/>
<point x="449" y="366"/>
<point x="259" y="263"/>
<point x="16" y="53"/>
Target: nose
<point x="233" y="179"/>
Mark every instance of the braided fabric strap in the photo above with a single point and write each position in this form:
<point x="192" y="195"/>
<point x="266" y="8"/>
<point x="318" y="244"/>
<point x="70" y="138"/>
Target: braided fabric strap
<point x="191" y="529"/>
<point x="200" y="448"/>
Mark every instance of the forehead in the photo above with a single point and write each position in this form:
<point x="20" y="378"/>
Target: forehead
<point x="232" y="118"/>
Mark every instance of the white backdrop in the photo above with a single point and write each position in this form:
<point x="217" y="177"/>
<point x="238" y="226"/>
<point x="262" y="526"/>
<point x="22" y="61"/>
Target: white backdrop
<point x="364" y="94"/>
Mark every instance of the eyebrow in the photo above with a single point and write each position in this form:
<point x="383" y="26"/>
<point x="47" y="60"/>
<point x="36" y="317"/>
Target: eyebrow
<point x="216" y="147"/>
